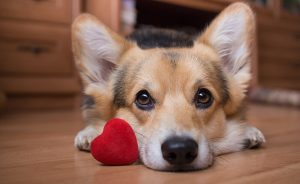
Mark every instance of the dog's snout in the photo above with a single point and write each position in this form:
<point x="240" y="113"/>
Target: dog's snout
<point x="179" y="150"/>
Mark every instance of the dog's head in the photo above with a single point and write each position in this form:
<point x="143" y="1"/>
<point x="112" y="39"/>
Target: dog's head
<point x="176" y="99"/>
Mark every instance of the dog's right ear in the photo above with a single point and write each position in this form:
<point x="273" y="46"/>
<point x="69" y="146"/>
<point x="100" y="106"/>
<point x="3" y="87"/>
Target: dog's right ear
<point x="96" y="49"/>
<point x="231" y="35"/>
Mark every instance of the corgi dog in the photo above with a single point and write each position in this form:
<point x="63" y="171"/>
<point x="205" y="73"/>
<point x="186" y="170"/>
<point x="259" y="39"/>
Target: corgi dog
<point x="183" y="96"/>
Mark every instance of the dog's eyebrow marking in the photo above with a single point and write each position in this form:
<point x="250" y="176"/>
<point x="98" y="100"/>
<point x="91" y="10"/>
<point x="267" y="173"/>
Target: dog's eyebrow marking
<point x="217" y="75"/>
<point x="223" y="84"/>
<point x="199" y="82"/>
<point x="87" y="101"/>
<point x="173" y="57"/>
<point x="225" y="90"/>
<point x="119" y="87"/>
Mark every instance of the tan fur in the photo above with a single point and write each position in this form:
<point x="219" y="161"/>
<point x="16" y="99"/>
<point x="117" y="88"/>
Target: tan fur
<point x="172" y="84"/>
<point x="238" y="88"/>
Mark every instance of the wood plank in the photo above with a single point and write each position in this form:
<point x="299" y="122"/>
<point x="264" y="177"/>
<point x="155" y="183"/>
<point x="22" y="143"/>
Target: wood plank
<point x="284" y="71"/>
<point x="214" y="6"/>
<point x="275" y="56"/>
<point x="39" y="102"/>
<point x="269" y="22"/>
<point x="41" y="10"/>
<point x="279" y="83"/>
<point x="106" y="11"/>
<point x="40" y="85"/>
<point x="37" y="147"/>
<point x="285" y="40"/>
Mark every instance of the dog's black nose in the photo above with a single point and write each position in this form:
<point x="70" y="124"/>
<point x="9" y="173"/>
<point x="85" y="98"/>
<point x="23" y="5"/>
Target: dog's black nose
<point x="179" y="150"/>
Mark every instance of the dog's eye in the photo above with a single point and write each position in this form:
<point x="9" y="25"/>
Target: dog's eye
<point x="203" y="98"/>
<point x="144" y="101"/>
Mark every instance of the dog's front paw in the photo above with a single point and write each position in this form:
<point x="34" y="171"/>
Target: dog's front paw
<point x="254" y="138"/>
<point x="84" y="138"/>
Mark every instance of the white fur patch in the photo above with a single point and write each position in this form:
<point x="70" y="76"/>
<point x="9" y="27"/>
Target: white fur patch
<point x="100" y="50"/>
<point x="233" y="139"/>
<point x="84" y="138"/>
<point x="235" y="136"/>
<point x="205" y="156"/>
<point x="254" y="136"/>
<point x="151" y="153"/>
<point x="229" y="39"/>
<point x="150" y="149"/>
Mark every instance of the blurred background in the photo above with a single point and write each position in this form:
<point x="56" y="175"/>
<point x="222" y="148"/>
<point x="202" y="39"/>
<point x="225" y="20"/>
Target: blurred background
<point x="37" y="69"/>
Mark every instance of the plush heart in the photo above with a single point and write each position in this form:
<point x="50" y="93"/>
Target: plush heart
<point x="117" y="145"/>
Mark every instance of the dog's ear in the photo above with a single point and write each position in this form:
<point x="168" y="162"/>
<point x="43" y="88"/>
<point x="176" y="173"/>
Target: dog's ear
<point x="231" y="35"/>
<point x="96" y="49"/>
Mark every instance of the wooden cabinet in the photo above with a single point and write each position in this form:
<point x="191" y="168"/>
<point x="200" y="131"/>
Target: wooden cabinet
<point x="107" y="11"/>
<point x="46" y="49"/>
<point x="278" y="47"/>
<point x="36" y="67"/>
<point x="56" y="11"/>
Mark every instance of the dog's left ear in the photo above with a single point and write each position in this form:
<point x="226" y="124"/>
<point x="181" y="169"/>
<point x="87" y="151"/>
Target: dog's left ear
<point x="97" y="53"/>
<point x="97" y="49"/>
<point x="231" y="35"/>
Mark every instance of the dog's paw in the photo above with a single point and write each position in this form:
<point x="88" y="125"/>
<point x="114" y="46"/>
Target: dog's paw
<point x="84" y="138"/>
<point x="254" y="138"/>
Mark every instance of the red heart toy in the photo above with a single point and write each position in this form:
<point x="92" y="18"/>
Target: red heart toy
<point x="117" y="145"/>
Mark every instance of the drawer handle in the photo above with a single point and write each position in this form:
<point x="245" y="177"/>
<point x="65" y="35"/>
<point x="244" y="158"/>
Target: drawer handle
<point x="34" y="49"/>
<point x="297" y="35"/>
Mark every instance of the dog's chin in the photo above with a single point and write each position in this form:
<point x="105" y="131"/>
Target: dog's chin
<point x="181" y="168"/>
<point x="185" y="168"/>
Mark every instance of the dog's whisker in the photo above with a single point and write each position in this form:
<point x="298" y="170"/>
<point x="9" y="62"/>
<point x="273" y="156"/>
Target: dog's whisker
<point x="140" y="134"/>
<point x="222" y="161"/>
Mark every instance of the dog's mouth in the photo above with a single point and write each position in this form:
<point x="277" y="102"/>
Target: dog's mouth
<point x="183" y="168"/>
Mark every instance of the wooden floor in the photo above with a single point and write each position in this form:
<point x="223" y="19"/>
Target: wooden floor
<point x="38" y="148"/>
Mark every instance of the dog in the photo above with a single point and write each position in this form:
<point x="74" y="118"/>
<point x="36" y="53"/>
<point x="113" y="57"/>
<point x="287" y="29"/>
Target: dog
<point x="184" y="96"/>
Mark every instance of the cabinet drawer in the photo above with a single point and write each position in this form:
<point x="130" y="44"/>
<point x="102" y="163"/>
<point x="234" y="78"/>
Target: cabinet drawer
<point x="45" y="10"/>
<point x="29" y="49"/>
<point x="40" y="102"/>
